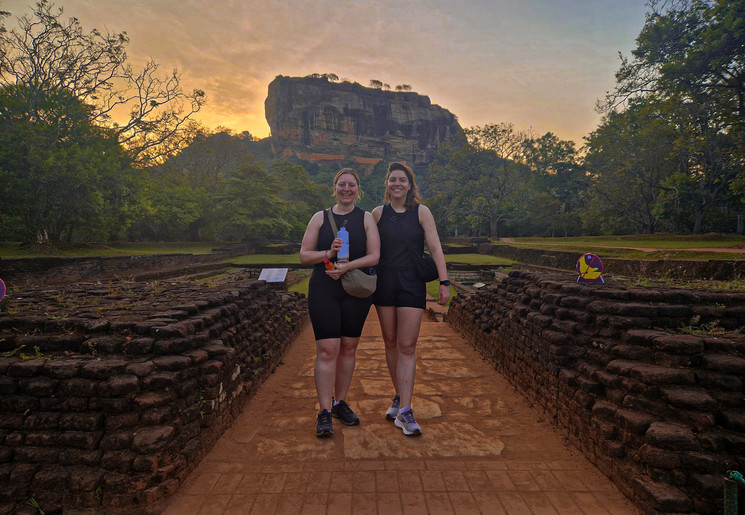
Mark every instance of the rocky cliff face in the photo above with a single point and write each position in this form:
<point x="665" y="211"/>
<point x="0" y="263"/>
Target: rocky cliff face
<point x="321" y="120"/>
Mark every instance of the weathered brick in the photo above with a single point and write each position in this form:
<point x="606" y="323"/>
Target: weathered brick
<point x="139" y="346"/>
<point x="156" y="416"/>
<point x="734" y="420"/>
<point x="103" y="369"/>
<point x="161" y="380"/>
<point x="172" y="362"/>
<point x="80" y="439"/>
<point x="679" y="344"/>
<point x="45" y="455"/>
<point x="80" y="457"/>
<point x="633" y="421"/>
<point x="725" y="363"/>
<point x="63" y="369"/>
<point x="115" y="441"/>
<point x="38" y="386"/>
<point x="664" y="498"/>
<point x="11" y="420"/>
<point x="140" y="369"/>
<point x="152" y="399"/>
<point x="114" y="422"/>
<point x="27" y="368"/>
<point x="81" y="421"/>
<point x="650" y="374"/>
<point x="76" y="387"/>
<point x="172" y="346"/>
<point x="689" y="398"/>
<point x="118" y="461"/>
<point x="38" y="421"/>
<point x="82" y="479"/>
<point x="197" y="356"/>
<point x="39" y="439"/>
<point x="671" y="436"/>
<point x="151" y="439"/>
<point x="661" y="458"/>
<point x="119" y="386"/>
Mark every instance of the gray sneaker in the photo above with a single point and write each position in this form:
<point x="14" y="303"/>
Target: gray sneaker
<point x="393" y="410"/>
<point x="405" y="421"/>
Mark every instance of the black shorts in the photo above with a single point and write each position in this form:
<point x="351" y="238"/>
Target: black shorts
<point x="400" y="288"/>
<point x="333" y="312"/>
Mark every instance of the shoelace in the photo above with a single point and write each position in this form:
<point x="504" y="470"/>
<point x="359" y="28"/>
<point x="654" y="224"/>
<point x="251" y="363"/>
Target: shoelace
<point x="324" y="418"/>
<point x="344" y="408"/>
<point x="408" y="416"/>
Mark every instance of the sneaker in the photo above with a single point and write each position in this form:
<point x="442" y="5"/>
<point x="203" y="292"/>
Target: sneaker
<point x="393" y="410"/>
<point x="405" y="421"/>
<point x="343" y="412"/>
<point x="324" y="426"/>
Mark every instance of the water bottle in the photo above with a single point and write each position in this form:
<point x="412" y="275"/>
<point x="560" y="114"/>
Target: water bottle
<point x="343" y="254"/>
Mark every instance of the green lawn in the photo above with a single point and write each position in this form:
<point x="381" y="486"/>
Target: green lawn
<point x="15" y="250"/>
<point x="644" y="246"/>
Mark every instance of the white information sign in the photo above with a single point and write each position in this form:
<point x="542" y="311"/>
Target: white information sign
<point x="273" y="275"/>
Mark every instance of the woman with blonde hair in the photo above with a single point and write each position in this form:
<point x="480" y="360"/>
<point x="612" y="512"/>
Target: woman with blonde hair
<point x="336" y="316"/>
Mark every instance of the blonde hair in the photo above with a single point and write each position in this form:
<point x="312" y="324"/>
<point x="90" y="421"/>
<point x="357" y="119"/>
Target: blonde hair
<point x="412" y="196"/>
<point x="350" y="171"/>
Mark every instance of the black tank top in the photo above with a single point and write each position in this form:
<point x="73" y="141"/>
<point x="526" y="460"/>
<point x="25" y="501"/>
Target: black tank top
<point x="354" y="221"/>
<point x="401" y="236"/>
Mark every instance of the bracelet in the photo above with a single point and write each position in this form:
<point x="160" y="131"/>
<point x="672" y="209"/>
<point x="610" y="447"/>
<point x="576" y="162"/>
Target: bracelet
<point x="326" y="254"/>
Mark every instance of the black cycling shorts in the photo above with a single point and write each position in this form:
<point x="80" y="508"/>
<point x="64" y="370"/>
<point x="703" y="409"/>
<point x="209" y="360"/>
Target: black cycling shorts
<point x="400" y="288"/>
<point x="333" y="312"/>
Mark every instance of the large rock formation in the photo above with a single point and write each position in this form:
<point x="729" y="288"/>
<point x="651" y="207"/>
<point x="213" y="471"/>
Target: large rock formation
<point x="313" y="118"/>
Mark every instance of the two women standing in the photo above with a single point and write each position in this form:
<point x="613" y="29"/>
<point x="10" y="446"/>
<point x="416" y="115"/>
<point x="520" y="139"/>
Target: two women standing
<point x="393" y="234"/>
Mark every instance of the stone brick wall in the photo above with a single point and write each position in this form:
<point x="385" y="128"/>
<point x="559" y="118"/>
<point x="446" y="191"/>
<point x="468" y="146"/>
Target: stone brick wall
<point x="659" y="410"/>
<point x="110" y="395"/>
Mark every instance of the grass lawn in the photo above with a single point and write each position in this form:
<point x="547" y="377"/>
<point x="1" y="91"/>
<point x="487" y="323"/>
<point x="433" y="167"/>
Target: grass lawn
<point x="15" y="250"/>
<point x="653" y="246"/>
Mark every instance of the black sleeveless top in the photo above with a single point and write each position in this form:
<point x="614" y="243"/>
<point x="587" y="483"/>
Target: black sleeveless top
<point x="401" y="236"/>
<point x="354" y="221"/>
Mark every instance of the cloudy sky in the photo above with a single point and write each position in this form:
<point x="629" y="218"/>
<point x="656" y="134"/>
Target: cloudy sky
<point x="539" y="64"/>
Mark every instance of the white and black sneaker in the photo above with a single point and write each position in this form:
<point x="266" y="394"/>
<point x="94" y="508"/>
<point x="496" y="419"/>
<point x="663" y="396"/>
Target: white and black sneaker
<point x="405" y="421"/>
<point x="393" y="410"/>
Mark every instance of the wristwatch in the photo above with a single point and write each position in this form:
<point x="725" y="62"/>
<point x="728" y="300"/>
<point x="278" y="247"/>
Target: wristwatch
<point x="446" y="282"/>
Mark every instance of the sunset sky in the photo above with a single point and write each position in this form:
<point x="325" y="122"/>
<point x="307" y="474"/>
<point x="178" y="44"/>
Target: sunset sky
<point x="539" y="64"/>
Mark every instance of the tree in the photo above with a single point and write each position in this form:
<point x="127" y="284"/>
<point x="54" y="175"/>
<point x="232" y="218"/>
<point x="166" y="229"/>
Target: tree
<point x="628" y="157"/>
<point x="474" y="181"/>
<point x="499" y="179"/>
<point x="302" y="197"/>
<point x="48" y="55"/>
<point x="555" y="194"/>
<point x="374" y="83"/>
<point x="692" y="49"/>
<point x="248" y="208"/>
<point x="689" y="56"/>
<point x="63" y="177"/>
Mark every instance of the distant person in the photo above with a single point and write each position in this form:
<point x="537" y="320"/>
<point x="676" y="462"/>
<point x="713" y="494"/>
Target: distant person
<point x="336" y="316"/>
<point x="400" y="298"/>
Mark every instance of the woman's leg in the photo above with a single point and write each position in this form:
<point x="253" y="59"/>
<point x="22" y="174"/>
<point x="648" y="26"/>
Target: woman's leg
<point x="388" y="328"/>
<point x="345" y="366"/>
<point x="327" y="353"/>
<point x="408" y="322"/>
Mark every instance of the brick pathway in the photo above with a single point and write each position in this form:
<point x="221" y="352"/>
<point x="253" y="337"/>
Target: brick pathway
<point x="483" y="449"/>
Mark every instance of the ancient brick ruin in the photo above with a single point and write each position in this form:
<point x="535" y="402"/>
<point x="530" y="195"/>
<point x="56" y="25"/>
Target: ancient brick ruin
<point x="111" y="393"/>
<point x="659" y="409"/>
